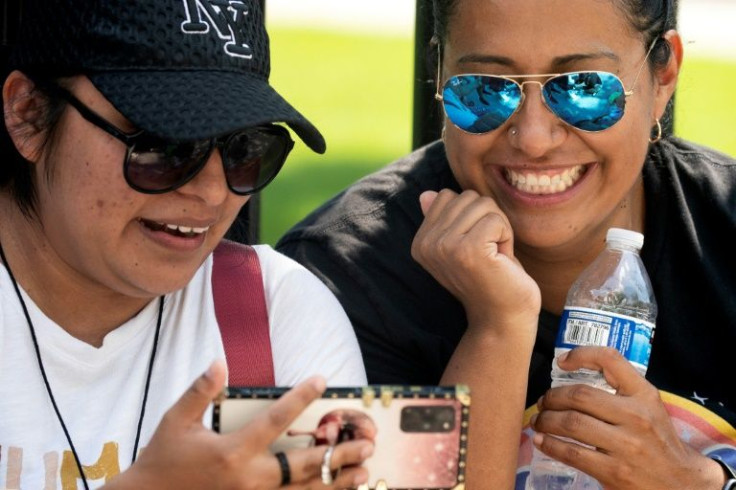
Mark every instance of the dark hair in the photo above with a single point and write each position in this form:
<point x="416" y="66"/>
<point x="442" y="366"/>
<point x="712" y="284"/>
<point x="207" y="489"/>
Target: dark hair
<point x="651" y="18"/>
<point x="16" y="173"/>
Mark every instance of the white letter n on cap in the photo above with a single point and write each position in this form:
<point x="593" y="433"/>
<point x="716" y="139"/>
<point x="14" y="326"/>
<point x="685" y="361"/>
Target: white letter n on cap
<point x="228" y="18"/>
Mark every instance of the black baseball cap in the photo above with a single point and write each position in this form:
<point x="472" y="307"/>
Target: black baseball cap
<point x="179" y="69"/>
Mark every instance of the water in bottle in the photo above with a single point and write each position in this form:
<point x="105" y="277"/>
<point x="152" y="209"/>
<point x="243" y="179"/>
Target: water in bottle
<point x="610" y="304"/>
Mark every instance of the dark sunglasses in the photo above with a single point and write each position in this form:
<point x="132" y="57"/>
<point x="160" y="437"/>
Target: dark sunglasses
<point x="587" y="100"/>
<point x="251" y="157"/>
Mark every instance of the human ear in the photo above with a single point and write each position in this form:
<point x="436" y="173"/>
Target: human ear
<point x="666" y="77"/>
<point x="24" y="108"/>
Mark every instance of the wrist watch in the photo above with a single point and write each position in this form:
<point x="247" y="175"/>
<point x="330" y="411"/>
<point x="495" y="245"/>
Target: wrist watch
<point x="730" y="474"/>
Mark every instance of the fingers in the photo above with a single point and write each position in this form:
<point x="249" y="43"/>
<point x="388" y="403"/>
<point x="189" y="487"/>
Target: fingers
<point x="332" y="432"/>
<point x="450" y="218"/>
<point x="612" y="409"/>
<point x="193" y="403"/>
<point x="270" y="423"/>
<point x="579" y="426"/>
<point x="306" y="464"/>
<point x="466" y="243"/>
<point x="616" y="424"/>
<point x="492" y="233"/>
<point x="583" y="398"/>
<point x="349" y="453"/>
<point x="619" y="372"/>
<point x="583" y="458"/>
<point x="426" y="199"/>
<point x="350" y="478"/>
<point x="346" y="478"/>
<point x="449" y="207"/>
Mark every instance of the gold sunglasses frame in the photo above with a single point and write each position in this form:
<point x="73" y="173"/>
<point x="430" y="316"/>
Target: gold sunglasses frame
<point x="547" y="76"/>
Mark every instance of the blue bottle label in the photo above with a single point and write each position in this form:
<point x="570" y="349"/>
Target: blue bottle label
<point x="631" y="336"/>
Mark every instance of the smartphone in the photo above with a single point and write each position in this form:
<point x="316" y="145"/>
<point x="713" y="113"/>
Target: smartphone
<point x="420" y="432"/>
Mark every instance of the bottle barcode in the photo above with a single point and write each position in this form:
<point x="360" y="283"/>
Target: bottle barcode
<point x="586" y="332"/>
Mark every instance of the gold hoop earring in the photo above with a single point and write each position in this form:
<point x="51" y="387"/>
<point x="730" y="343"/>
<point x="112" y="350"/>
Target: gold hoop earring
<point x="659" y="133"/>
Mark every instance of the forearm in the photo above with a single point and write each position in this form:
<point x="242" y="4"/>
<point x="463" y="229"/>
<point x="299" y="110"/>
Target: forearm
<point x="496" y="368"/>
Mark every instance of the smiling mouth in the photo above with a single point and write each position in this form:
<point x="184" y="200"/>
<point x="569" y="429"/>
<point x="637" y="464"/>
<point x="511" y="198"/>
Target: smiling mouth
<point x="175" y="230"/>
<point x="544" y="183"/>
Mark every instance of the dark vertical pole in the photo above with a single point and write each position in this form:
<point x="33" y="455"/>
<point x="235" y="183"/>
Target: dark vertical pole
<point x="253" y="208"/>
<point x="247" y="226"/>
<point x="427" y="120"/>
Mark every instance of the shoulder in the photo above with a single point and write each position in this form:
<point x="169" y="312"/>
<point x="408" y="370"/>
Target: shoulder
<point x="310" y="332"/>
<point x="275" y="264"/>
<point x="288" y="284"/>
<point x="691" y="190"/>
<point x="685" y="156"/>
<point x="291" y="290"/>
<point x="277" y="272"/>
<point x="692" y="169"/>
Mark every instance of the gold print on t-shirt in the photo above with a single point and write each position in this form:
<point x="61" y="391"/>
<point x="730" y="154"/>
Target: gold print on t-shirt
<point x="15" y="467"/>
<point x="107" y="466"/>
<point x="51" y="466"/>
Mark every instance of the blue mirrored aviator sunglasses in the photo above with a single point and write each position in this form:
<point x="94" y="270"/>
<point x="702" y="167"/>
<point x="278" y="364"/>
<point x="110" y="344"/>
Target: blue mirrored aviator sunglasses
<point x="586" y="100"/>
<point x="251" y="157"/>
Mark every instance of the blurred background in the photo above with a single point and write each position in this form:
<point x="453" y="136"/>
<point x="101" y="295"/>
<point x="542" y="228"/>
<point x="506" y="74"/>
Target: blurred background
<point x="349" y="67"/>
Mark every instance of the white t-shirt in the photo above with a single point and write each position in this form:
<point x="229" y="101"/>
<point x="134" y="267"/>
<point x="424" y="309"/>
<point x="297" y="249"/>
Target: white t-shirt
<point x="99" y="390"/>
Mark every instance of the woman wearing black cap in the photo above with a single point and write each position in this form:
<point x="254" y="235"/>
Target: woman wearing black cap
<point x="134" y="133"/>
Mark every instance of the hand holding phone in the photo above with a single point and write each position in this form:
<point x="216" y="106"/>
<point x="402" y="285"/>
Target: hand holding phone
<point x="420" y="433"/>
<point x="183" y="453"/>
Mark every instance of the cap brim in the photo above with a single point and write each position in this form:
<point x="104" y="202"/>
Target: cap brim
<point x="186" y="105"/>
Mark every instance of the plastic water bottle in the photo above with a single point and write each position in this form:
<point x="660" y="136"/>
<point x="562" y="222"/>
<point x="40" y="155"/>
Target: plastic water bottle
<point x="610" y="304"/>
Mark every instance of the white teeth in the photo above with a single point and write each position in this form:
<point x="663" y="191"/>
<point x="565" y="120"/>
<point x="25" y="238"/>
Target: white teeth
<point x="536" y="183"/>
<point x="187" y="229"/>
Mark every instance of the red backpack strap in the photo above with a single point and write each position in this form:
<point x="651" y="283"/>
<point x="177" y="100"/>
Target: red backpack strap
<point x="240" y="308"/>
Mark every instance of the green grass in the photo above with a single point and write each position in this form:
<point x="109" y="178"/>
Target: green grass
<point x="705" y="103"/>
<point x="357" y="89"/>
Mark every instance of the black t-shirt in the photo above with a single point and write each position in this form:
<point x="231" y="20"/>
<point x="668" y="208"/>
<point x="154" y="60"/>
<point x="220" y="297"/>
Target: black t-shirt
<point x="408" y="325"/>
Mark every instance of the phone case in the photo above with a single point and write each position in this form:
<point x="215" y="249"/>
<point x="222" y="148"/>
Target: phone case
<point x="420" y="433"/>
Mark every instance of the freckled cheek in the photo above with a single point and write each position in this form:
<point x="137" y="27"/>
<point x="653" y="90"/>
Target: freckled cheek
<point x="103" y="203"/>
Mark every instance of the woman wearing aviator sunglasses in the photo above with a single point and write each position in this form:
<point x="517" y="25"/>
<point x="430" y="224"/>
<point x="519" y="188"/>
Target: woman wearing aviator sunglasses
<point x="553" y="134"/>
<point x="133" y="134"/>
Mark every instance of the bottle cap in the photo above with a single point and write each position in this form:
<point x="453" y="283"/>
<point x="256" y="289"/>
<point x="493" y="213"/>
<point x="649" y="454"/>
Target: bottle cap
<point x="628" y="237"/>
